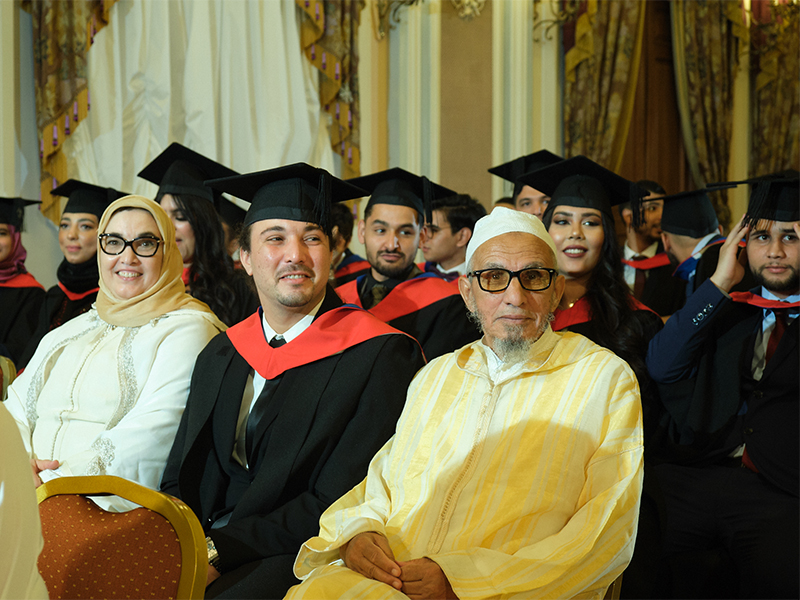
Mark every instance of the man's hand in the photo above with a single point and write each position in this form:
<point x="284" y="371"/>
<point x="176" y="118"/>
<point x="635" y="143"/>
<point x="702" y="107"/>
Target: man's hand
<point x="369" y="554"/>
<point x="730" y="267"/>
<point x="41" y="465"/>
<point x="212" y="575"/>
<point x="423" y="578"/>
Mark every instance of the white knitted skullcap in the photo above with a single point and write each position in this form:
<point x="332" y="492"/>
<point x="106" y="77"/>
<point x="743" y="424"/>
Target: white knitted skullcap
<point x="505" y="220"/>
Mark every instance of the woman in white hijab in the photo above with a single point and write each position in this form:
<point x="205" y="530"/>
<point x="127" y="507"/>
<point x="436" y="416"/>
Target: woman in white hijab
<point x="104" y="393"/>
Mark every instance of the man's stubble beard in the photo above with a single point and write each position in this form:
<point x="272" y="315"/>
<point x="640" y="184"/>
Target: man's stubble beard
<point x="790" y="285"/>
<point x="514" y="348"/>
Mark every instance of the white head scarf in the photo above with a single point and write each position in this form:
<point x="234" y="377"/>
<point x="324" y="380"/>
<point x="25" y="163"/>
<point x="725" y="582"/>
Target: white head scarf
<point x="505" y="220"/>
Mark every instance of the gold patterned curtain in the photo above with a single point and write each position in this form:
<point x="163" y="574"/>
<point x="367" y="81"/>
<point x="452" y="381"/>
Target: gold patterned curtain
<point x="329" y="36"/>
<point x="63" y="30"/>
<point x="601" y="71"/>
<point x="707" y="38"/>
<point x="775" y="87"/>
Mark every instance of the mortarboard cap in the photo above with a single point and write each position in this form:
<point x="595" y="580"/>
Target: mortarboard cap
<point x="86" y="197"/>
<point x="581" y="182"/>
<point x="689" y="213"/>
<point x="399" y="187"/>
<point x="773" y="197"/>
<point x="179" y="170"/>
<point x="229" y="211"/>
<point x="297" y="192"/>
<point x="513" y="170"/>
<point x="12" y="211"/>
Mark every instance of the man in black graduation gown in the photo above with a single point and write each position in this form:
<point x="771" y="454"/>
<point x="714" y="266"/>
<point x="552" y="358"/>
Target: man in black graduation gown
<point x="78" y="275"/>
<point x="527" y="198"/>
<point x="287" y="408"/>
<point x="647" y="267"/>
<point x="691" y="232"/>
<point x="396" y="290"/>
<point x="727" y="369"/>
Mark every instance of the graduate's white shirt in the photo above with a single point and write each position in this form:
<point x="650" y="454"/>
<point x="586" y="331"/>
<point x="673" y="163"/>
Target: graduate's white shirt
<point x="255" y="382"/>
<point x="628" y="271"/>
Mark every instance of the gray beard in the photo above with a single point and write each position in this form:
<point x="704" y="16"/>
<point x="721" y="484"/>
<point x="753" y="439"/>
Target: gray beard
<point x="514" y="348"/>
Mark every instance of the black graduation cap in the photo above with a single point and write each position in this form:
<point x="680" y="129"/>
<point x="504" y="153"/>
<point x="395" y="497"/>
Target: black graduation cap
<point x="689" y="213"/>
<point x="297" y="192"/>
<point x="773" y="197"/>
<point x="581" y="182"/>
<point x="399" y="187"/>
<point x="230" y="212"/>
<point x="512" y="171"/>
<point x="12" y="211"/>
<point x="179" y="170"/>
<point x="86" y="197"/>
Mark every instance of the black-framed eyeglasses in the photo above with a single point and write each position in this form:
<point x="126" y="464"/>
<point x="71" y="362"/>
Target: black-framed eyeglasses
<point x="114" y="244"/>
<point x="535" y="279"/>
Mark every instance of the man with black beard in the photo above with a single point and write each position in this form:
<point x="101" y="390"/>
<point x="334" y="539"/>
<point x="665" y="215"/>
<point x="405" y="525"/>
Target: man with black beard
<point x="395" y="290"/>
<point x="726" y="366"/>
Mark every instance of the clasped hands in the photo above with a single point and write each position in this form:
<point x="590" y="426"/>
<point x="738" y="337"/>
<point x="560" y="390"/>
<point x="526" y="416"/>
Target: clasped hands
<point x="370" y="555"/>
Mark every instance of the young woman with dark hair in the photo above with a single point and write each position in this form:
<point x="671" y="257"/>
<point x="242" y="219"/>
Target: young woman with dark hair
<point x="208" y="269"/>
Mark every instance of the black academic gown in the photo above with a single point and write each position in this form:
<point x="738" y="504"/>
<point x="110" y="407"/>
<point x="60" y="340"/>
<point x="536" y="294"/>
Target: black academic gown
<point x="440" y="324"/>
<point x="56" y="310"/>
<point x="662" y="292"/>
<point x="331" y="417"/>
<point x="19" y="311"/>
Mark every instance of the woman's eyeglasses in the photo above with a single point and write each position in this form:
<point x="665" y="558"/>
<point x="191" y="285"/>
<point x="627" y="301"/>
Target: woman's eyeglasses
<point x="113" y="244"/>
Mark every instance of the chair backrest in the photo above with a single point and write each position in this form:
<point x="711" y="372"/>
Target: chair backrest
<point x="157" y="551"/>
<point x="7" y="374"/>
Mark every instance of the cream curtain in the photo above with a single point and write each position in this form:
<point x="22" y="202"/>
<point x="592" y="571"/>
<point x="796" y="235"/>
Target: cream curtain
<point x="228" y="79"/>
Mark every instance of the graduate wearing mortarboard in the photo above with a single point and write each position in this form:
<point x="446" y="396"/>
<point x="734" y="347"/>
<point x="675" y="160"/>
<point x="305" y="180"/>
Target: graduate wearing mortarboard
<point x="21" y="295"/>
<point x="287" y="408"/>
<point x="77" y="274"/>
<point x="525" y="197"/>
<point x="726" y="368"/>
<point x="395" y="289"/>
<point x="193" y="207"/>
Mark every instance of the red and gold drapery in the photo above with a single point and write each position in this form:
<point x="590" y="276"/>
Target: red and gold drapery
<point x="63" y="31"/>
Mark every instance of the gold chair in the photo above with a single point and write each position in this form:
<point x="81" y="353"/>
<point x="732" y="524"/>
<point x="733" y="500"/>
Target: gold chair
<point x="8" y="373"/>
<point x="155" y="551"/>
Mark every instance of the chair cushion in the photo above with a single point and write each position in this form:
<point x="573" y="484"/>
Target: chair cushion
<point x="91" y="553"/>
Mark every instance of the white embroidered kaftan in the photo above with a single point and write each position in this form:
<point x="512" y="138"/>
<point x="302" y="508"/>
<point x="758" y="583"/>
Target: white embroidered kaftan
<point x="519" y="482"/>
<point x="107" y="400"/>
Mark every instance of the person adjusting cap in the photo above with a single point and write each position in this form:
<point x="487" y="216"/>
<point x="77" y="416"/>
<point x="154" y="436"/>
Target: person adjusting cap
<point x="86" y="197"/>
<point x="399" y="187"/>
<point x="513" y="170"/>
<point x="297" y="192"/>
<point x="773" y="197"/>
<point x="179" y="170"/>
<point x="581" y="182"/>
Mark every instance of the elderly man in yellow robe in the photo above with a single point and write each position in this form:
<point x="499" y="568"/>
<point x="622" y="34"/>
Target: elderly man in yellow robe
<point x="516" y="467"/>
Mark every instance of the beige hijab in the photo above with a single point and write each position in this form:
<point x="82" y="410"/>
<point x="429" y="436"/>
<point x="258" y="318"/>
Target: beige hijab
<point x="166" y="295"/>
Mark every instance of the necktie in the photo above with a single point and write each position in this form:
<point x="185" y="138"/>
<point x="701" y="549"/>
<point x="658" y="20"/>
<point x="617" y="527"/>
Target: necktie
<point x="641" y="277"/>
<point x="260" y="405"/>
<point x="777" y="332"/>
<point x="377" y="293"/>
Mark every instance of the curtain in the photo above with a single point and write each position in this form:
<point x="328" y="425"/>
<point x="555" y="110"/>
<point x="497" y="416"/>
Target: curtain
<point x="227" y="79"/>
<point x="62" y="34"/>
<point x="707" y="37"/>
<point x="329" y="36"/>
<point x="775" y="87"/>
<point x="601" y="71"/>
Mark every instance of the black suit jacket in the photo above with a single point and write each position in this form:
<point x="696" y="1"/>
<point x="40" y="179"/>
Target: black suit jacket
<point x="335" y="414"/>
<point x="701" y="361"/>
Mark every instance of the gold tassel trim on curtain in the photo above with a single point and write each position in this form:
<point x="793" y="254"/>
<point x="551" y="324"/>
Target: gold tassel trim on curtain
<point x="62" y="94"/>
<point x="336" y="97"/>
